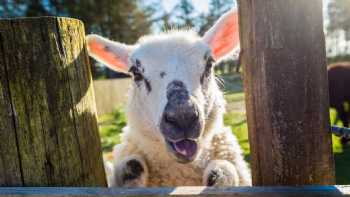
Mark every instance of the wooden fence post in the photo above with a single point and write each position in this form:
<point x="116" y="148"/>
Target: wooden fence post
<point x="285" y="81"/>
<point x="48" y="133"/>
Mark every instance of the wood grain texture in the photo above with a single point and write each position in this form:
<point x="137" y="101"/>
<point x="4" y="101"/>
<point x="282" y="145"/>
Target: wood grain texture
<point x="47" y="107"/>
<point x="285" y="80"/>
<point x="306" y="191"/>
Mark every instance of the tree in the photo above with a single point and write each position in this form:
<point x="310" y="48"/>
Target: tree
<point x="339" y="16"/>
<point x="167" y="24"/>
<point x="216" y="9"/>
<point x="185" y="15"/>
<point x="10" y="9"/>
<point x="36" y="8"/>
<point x="122" y="20"/>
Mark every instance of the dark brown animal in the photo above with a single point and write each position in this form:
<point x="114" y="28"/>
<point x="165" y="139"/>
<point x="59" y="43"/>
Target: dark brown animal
<point x="339" y="91"/>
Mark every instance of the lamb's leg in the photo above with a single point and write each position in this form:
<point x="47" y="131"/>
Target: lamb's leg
<point x="130" y="172"/>
<point x="220" y="173"/>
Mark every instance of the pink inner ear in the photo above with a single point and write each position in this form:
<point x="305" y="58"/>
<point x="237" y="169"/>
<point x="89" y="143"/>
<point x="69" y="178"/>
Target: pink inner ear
<point x="100" y="51"/>
<point x="227" y="36"/>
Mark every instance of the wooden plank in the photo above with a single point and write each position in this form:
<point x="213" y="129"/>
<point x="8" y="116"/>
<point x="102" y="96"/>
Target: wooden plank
<point x="10" y="171"/>
<point x="285" y="80"/>
<point x="306" y="191"/>
<point x="37" y="55"/>
<point x="82" y="93"/>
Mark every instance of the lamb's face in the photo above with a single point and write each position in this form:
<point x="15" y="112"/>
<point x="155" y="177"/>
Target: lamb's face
<point x="172" y="91"/>
<point x="172" y="75"/>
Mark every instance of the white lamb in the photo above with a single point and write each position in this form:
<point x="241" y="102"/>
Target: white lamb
<point x="175" y="134"/>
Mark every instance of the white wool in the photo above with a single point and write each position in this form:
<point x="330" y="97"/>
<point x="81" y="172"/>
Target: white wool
<point x="165" y="171"/>
<point x="218" y="143"/>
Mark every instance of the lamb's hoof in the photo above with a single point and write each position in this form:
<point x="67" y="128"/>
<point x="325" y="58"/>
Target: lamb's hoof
<point x="220" y="173"/>
<point x="133" y="170"/>
<point x="214" y="177"/>
<point x="131" y="173"/>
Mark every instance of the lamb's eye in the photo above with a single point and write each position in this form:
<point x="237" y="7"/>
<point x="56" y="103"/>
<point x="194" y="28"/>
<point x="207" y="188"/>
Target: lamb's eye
<point x="210" y="62"/>
<point x="208" y="68"/>
<point x="209" y="65"/>
<point x="137" y="75"/>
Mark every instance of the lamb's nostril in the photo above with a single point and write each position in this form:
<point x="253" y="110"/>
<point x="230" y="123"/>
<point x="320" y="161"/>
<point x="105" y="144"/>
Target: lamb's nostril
<point x="170" y="118"/>
<point x="180" y="122"/>
<point x="181" y="119"/>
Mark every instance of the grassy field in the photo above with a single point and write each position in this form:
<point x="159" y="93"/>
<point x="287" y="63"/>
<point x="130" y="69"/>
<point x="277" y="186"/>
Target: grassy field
<point x="111" y="124"/>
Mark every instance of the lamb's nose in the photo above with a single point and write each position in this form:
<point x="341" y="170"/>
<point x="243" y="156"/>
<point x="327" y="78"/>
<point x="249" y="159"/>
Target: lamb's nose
<point x="181" y="115"/>
<point x="181" y="121"/>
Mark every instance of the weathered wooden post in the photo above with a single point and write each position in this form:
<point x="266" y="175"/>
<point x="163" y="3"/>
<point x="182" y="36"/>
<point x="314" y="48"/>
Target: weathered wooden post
<point x="48" y="128"/>
<point x="285" y="80"/>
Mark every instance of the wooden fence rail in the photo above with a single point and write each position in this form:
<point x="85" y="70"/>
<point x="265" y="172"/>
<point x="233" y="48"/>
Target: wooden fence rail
<point x="307" y="191"/>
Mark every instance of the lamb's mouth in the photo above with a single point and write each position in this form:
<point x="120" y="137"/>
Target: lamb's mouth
<point x="184" y="150"/>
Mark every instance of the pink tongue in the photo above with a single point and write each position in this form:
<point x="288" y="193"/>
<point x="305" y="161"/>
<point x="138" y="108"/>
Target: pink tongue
<point x="186" y="148"/>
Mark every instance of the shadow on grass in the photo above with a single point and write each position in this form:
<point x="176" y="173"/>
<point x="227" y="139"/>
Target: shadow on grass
<point x="232" y="83"/>
<point x="342" y="166"/>
<point x="237" y="124"/>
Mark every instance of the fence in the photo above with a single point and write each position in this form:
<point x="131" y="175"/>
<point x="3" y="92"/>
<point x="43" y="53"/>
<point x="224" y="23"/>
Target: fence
<point x="110" y="94"/>
<point x="48" y="122"/>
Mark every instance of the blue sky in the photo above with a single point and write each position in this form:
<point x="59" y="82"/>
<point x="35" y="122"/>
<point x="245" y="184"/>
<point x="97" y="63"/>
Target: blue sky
<point x="199" y="5"/>
<point x="202" y="6"/>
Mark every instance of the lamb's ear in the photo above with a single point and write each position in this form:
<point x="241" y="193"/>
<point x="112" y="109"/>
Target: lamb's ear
<point x="114" y="55"/>
<point x="223" y="37"/>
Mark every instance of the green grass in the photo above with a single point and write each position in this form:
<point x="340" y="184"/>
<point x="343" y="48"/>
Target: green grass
<point x="238" y="123"/>
<point x="236" y="97"/>
<point x="341" y="156"/>
<point x="111" y="125"/>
